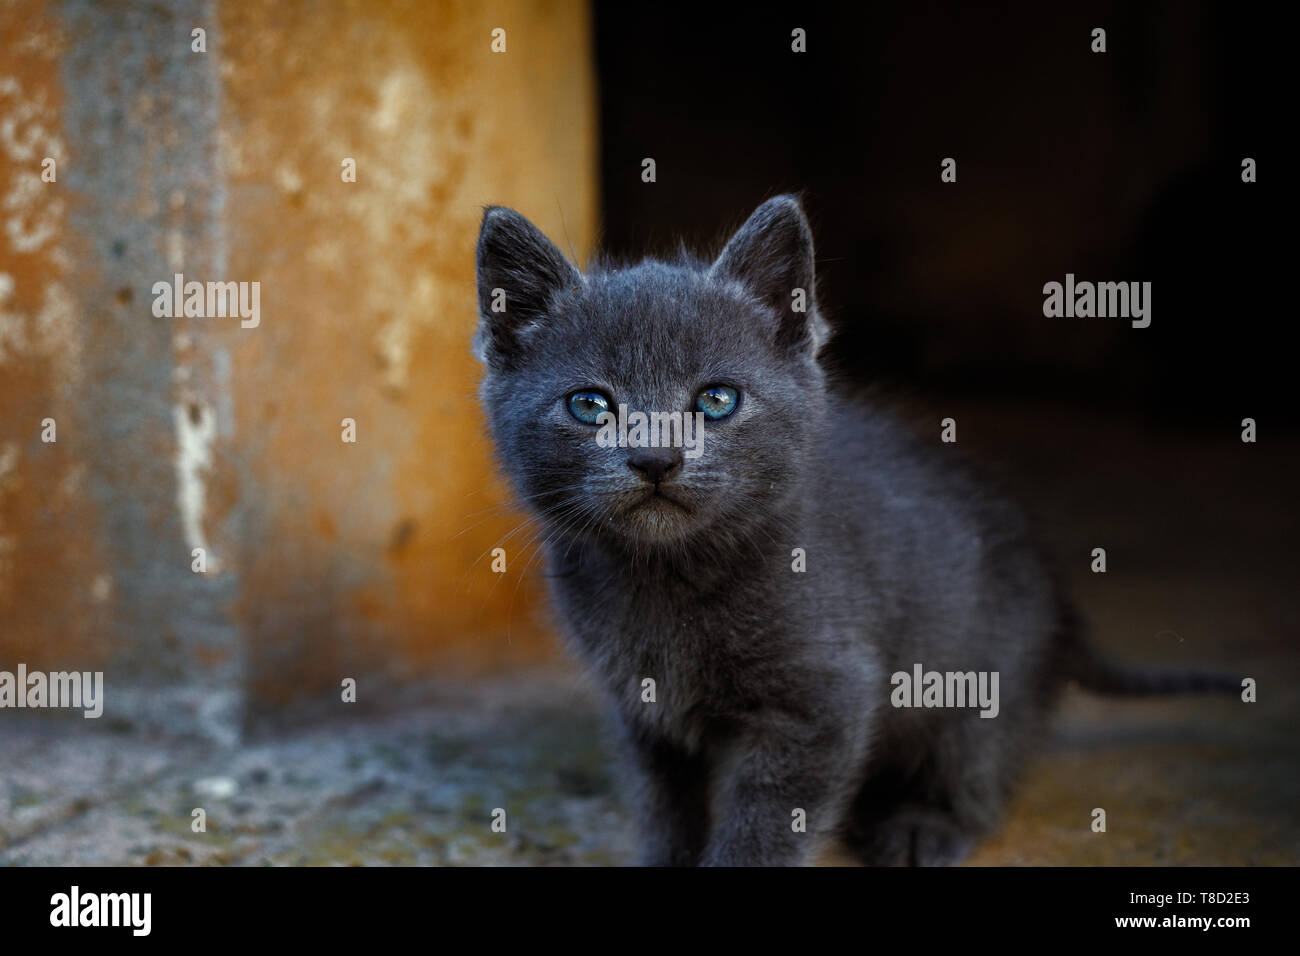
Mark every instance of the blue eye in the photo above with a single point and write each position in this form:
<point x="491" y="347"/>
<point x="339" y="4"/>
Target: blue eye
<point x="587" y="406"/>
<point x="717" y="401"/>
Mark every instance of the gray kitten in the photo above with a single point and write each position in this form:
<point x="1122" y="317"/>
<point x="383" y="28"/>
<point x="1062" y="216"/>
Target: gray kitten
<point x="771" y="723"/>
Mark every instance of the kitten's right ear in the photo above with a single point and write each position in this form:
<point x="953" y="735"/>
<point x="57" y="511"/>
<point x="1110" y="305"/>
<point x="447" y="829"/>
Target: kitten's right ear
<point x="519" y="272"/>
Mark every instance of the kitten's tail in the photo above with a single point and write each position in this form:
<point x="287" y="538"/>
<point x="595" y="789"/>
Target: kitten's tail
<point x="1086" y="665"/>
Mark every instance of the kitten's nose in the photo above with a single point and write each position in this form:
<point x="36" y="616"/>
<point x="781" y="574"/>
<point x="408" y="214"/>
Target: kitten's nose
<point x="655" y="464"/>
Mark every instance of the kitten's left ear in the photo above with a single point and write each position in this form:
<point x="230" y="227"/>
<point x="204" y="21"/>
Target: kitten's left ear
<point x="772" y="256"/>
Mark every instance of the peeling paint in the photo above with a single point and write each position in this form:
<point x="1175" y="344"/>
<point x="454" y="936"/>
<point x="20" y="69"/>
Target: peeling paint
<point x="34" y="215"/>
<point x="196" y="430"/>
<point x="12" y="340"/>
<point x="33" y="209"/>
<point x="175" y="434"/>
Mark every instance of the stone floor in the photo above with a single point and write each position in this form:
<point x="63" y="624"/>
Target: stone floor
<point x="1183" y="782"/>
<point x="1202" y="571"/>
<point x="417" y="789"/>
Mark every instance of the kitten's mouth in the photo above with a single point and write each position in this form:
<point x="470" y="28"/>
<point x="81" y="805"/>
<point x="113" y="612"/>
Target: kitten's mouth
<point x="658" y="500"/>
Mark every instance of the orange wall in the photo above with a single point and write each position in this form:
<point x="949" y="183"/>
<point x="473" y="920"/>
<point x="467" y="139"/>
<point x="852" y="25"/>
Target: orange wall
<point x="326" y="559"/>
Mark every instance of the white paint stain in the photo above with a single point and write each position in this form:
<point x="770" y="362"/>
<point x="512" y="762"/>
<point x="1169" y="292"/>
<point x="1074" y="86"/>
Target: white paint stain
<point x="12" y="340"/>
<point x="393" y="341"/>
<point x="33" y="211"/>
<point x="405" y="130"/>
<point x="8" y="466"/>
<point x="55" y="330"/>
<point x="196" y="430"/>
<point x="288" y="180"/>
<point x="72" y="481"/>
<point x="395" y="94"/>
<point x="33" y="215"/>
<point x="175" y="243"/>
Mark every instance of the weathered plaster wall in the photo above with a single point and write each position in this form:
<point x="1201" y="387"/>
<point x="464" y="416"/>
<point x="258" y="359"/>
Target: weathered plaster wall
<point x="325" y="559"/>
<point x="56" y="585"/>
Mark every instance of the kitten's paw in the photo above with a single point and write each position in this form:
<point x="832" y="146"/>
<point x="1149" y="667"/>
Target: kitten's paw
<point x="912" y="837"/>
<point x="939" y="845"/>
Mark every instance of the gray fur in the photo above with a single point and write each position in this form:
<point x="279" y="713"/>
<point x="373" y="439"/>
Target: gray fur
<point x="773" y="687"/>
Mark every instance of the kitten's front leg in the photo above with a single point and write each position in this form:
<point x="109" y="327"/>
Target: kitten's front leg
<point x="672" y="799"/>
<point x="782" y="791"/>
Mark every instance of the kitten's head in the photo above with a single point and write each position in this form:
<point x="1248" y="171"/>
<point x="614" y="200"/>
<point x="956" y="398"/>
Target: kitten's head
<point x="735" y="341"/>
